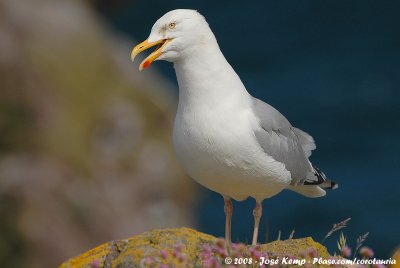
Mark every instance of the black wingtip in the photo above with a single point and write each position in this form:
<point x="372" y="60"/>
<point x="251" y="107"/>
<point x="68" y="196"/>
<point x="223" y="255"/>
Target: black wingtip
<point x="334" y="185"/>
<point x="322" y="180"/>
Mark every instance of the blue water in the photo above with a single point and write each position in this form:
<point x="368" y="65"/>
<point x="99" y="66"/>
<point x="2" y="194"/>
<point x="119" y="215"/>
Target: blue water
<point x="331" y="67"/>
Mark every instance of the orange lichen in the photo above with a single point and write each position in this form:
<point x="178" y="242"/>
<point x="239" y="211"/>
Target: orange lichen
<point x="177" y="248"/>
<point x="295" y="247"/>
<point x="396" y="256"/>
<point x="87" y="258"/>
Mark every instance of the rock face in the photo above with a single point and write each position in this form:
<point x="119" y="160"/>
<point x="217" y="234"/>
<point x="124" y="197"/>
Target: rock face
<point x="85" y="141"/>
<point x="185" y="247"/>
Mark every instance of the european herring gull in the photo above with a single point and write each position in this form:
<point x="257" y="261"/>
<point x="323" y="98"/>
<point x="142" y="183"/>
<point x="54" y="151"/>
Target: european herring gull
<point x="227" y="140"/>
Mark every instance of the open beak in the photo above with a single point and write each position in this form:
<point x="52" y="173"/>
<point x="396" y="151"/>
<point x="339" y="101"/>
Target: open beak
<point x="153" y="56"/>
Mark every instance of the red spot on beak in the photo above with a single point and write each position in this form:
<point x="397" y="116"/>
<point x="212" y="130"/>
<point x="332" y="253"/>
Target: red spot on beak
<point x="146" y="64"/>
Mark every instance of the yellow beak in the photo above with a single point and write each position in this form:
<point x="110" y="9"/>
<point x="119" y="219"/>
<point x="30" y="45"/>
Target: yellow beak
<point x="153" y="56"/>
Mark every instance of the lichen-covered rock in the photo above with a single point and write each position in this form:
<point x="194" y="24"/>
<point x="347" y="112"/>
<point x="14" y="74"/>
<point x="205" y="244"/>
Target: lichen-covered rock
<point x="185" y="247"/>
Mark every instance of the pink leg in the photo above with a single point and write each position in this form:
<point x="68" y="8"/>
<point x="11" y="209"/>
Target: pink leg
<point x="257" y="212"/>
<point x="228" y="208"/>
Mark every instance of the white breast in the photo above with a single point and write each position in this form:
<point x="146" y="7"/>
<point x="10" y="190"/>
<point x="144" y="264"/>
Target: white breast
<point x="218" y="149"/>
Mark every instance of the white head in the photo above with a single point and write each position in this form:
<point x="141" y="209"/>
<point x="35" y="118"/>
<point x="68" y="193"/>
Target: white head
<point x="176" y="34"/>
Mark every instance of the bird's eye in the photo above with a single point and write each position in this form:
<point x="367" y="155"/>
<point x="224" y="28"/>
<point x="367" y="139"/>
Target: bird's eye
<point x="172" y="25"/>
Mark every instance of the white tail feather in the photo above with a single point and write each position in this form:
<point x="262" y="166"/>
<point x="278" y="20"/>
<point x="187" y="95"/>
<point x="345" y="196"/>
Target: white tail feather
<point x="312" y="191"/>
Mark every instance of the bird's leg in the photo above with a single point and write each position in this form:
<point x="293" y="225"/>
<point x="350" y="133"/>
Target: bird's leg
<point x="228" y="208"/>
<point x="257" y="212"/>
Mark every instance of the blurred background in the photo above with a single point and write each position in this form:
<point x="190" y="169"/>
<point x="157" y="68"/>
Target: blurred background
<point x="85" y="139"/>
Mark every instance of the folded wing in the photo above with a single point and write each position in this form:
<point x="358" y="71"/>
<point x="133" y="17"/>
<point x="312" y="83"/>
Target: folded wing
<point x="285" y="143"/>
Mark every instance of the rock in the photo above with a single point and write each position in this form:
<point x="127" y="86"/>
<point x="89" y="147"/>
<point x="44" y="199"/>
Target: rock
<point x="184" y="247"/>
<point x="85" y="141"/>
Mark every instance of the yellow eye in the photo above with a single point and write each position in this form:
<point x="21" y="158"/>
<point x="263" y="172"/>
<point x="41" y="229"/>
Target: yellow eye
<point x="172" y="25"/>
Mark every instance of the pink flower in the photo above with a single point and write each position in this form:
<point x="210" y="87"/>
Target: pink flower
<point x="234" y="246"/>
<point x="207" y="263"/>
<point x="345" y="251"/>
<point x="366" y="252"/>
<point x="222" y="252"/>
<point x="290" y="257"/>
<point x="148" y="261"/>
<point x="257" y="255"/>
<point x="164" y="253"/>
<point x="215" y="263"/>
<point x="95" y="264"/>
<point x="255" y="252"/>
<point x="312" y="253"/>
<point x="207" y="249"/>
<point x="179" y="247"/>
<point x="221" y="243"/>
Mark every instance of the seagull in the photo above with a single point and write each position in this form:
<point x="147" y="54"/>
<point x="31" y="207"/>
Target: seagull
<point x="227" y="140"/>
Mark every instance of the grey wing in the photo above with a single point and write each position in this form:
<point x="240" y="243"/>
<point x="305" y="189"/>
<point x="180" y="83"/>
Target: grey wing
<point x="305" y="140"/>
<point x="285" y="143"/>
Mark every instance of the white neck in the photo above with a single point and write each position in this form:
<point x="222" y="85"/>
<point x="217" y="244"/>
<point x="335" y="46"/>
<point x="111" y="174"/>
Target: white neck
<point x="205" y="78"/>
